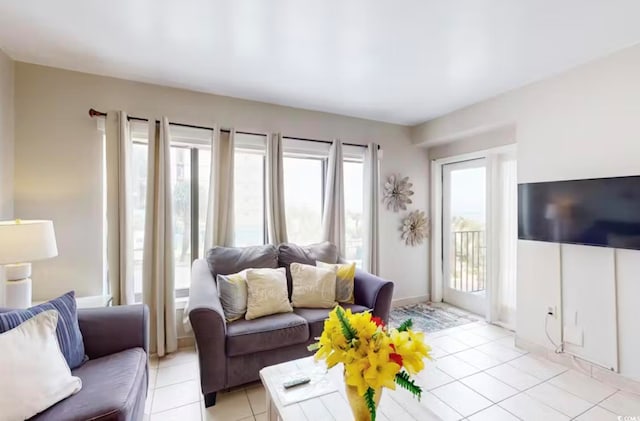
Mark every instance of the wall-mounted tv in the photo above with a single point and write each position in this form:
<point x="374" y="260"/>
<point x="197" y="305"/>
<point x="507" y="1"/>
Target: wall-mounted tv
<point x="596" y="212"/>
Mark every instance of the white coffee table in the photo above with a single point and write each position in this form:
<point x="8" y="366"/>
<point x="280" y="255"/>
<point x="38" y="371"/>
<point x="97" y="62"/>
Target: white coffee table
<point x="395" y="404"/>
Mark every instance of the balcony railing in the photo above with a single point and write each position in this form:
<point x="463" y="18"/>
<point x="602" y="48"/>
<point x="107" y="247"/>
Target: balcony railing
<point x="468" y="272"/>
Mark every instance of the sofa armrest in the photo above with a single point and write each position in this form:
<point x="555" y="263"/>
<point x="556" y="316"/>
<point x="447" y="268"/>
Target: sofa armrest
<point x="108" y="330"/>
<point x="209" y="327"/>
<point x="373" y="292"/>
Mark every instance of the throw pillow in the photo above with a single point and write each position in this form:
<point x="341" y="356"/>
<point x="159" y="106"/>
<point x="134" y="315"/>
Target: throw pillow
<point x="68" y="330"/>
<point x="313" y="286"/>
<point x="232" y="290"/>
<point x="345" y="278"/>
<point x="266" y="293"/>
<point x="33" y="372"/>
<point x="291" y="253"/>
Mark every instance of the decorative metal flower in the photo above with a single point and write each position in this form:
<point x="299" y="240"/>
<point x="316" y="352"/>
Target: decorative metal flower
<point x="415" y="228"/>
<point x="397" y="193"/>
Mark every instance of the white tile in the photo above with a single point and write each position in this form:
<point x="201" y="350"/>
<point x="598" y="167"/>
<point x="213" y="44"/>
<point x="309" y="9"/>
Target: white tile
<point x="558" y="399"/>
<point x="189" y="412"/>
<point x="461" y="398"/>
<point x="583" y="386"/>
<point x="491" y="332"/>
<point x="455" y="367"/>
<point x="230" y="406"/>
<point x="598" y="414"/>
<point x="437" y="352"/>
<point x="416" y="409"/>
<point x="176" y="395"/>
<point x="513" y="377"/>
<point x="257" y="398"/>
<point x="432" y="377"/>
<point x="469" y="338"/>
<point x="473" y="325"/>
<point x="438" y="407"/>
<point x="508" y="341"/>
<point x="449" y="344"/>
<point x="177" y="374"/>
<point x="529" y="409"/>
<point x="623" y="403"/>
<point x="153" y="375"/>
<point x="148" y="402"/>
<point x="493" y="413"/>
<point x="489" y="387"/>
<point x="500" y="352"/>
<point x="538" y="367"/>
<point x="183" y="356"/>
<point x="478" y="359"/>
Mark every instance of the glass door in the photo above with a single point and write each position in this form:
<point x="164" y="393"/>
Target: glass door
<point x="464" y="239"/>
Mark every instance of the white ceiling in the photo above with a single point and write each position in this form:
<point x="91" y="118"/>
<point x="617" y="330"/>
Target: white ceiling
<point x="399" y="61"/>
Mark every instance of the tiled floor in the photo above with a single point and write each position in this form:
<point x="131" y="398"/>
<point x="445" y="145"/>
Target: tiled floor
<point x="478" y="375"/>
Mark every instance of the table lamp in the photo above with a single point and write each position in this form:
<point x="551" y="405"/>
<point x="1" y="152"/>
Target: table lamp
<point x="22" y="242"/>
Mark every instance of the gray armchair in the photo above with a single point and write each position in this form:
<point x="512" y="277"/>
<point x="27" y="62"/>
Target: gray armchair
<point x="115" y="378"/>
<point x="232" y="354"/>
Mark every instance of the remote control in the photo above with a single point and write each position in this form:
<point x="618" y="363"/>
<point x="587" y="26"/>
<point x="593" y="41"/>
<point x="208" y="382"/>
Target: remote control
<point x="296" y="382"/>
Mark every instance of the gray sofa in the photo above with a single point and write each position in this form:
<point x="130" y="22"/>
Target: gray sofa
<point x="115" y="378"/>
<point x="232" y="354"/>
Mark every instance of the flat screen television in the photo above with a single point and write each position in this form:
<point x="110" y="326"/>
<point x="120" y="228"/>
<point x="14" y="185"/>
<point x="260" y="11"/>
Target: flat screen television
<point x="597" y="212"/>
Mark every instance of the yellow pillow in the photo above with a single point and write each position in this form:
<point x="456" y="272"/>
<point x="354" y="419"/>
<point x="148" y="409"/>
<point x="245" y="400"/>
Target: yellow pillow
<point x="345" y="275"/>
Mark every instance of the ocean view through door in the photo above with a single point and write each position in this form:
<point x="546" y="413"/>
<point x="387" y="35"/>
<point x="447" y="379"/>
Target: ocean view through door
<point x="464" y="239"/>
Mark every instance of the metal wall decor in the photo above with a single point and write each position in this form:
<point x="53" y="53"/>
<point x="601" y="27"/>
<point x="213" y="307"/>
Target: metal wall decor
<point x="397" y="193"/>
<point x="415" y="228"/>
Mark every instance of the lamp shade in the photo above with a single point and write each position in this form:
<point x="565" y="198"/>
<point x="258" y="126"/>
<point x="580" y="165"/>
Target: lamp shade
<point x="26" y="241"/>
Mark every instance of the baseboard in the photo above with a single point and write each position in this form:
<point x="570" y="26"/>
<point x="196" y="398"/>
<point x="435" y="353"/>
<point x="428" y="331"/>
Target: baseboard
<point x="186" y="342"/>
<point x="409" y="300"/>
<point x="595" y="371"/>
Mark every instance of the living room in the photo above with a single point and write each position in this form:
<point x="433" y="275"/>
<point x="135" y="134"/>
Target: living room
<point x="291" y="124"/>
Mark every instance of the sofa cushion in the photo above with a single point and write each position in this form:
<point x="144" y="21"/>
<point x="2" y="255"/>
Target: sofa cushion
<point x="315" y="317"/>
<point x="113" y="387"/>
<point x="228" y="260"/>
<point x="266" y="333"/>
<point x="291" y="253"/>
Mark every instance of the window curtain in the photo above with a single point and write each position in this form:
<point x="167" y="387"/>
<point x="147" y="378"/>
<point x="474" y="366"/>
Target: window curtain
<point x="276" y="219"/>
<point x="158" y="258"/>
<point x="119" y="209"/>
<point x="219" y="227"/>
<point x="371" y="258"/>
<point x="508" y="243"/>
<point x="333" y="221"/>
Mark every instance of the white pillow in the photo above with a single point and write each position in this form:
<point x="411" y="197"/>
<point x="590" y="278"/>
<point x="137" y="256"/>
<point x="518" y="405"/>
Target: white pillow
<point x="266" y="293"/>
<point x="33" y="372"/>
<point x="313" y="286"/>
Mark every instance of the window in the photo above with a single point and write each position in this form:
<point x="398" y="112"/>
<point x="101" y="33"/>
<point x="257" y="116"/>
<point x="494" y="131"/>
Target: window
<point x="190" y="167"/>
<point x="304" y="197"/>
<point x="354" y="210"/>
<point x="249" y="214"/>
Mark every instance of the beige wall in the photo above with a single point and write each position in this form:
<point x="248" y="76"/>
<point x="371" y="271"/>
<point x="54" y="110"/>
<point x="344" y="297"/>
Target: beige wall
<point x="6" y="136"/>
<point x="58" y="156"/>
<point x="584" y="123"/>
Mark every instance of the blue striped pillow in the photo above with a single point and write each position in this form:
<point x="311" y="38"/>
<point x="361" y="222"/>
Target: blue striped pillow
<point x="67" y="331"/>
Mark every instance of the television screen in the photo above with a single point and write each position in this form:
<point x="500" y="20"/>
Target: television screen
<point x="597" y="212"/>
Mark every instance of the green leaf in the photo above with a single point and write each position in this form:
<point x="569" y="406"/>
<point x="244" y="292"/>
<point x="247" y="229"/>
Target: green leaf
<point x="404" y="381"/>
<point x="406" y="325"/>
<point x="369" y="399"/>
<point x="347" y="330"/>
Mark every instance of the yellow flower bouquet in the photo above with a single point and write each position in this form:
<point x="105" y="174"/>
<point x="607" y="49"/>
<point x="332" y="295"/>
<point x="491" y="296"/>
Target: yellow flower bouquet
<point x="374" y="356"/>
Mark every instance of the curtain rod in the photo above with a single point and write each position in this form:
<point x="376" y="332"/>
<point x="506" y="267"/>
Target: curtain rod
<point x="95" y="113"/>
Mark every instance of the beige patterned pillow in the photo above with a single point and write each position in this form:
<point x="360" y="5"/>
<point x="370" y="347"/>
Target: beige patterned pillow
<point x="313" y="286"/>
<point x="345" y="278"/>
<point x="266" y="293"/>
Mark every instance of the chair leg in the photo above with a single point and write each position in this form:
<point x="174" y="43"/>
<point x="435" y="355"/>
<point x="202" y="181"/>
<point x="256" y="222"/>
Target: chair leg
<point x="209" y="399"/>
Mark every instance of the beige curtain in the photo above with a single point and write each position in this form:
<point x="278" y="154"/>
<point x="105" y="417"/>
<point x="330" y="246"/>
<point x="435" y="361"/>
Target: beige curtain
<point x="158" y="258"/>
<point x="119" y="210"/>
<point x="219" y="226"/>
<point x="333" y="224"/>
<point x="371" y="258"/>
<point x="276" y="218"/>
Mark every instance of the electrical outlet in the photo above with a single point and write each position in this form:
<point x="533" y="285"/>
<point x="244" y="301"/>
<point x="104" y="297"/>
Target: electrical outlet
<point x="551" y="310"/>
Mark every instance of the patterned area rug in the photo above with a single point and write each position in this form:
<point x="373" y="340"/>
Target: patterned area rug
<point x="431" y="318"/>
